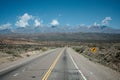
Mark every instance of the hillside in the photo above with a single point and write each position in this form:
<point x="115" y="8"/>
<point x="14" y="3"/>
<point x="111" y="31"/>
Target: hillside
<point x="74" y="37"/>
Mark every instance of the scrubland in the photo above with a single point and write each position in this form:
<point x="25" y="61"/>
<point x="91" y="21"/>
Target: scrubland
<point x="107" y="54"/>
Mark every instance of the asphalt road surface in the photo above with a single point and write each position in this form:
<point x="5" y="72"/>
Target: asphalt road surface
<point x="61" y="64"/>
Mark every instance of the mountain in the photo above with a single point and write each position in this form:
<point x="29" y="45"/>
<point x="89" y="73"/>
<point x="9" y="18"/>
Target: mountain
<point x="96" y="29"/>
<point x="61" y="29"/>
<point x="42" y="29"/>
<point x="63" y="33"/>
<point x="6" y="31"/>
<point x="103" y="29"/>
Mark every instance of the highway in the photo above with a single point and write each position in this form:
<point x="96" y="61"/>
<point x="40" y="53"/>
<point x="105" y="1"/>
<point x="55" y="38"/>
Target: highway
<point x="61" y="64"/>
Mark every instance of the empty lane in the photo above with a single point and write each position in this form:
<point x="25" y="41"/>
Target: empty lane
<point x="56" y="65"/>
<point x="33" y="70"/>
<point x="62" y="64"/>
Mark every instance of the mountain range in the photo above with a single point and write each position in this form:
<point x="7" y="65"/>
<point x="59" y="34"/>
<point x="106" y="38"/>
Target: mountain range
<point x="60" y="29"/>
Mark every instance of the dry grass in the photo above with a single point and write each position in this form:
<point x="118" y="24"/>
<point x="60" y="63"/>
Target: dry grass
<point x="12" y="52"/>
<point x="107" y="53"/>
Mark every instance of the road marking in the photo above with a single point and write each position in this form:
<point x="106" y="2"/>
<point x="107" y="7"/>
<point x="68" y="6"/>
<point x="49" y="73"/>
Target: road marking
<point x="23" y="70"/>
<point x="91" y="73"/>
<point x="77" y="67"/>
<point x="45" y="77"/>
<point x="16" y="74"/>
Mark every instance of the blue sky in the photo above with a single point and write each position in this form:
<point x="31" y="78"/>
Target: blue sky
<point x="62" y="12"/>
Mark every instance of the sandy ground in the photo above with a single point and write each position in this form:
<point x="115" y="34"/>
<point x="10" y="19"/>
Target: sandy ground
<point x="6" y="58"/>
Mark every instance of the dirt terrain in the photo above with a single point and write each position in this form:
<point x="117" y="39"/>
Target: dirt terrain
<point x="106" y="53"/>
<point x="12" y="50"/>
<point x="5" y="58"/>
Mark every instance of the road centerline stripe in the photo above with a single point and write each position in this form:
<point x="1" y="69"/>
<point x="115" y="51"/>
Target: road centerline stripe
<point x="45" y="77"/>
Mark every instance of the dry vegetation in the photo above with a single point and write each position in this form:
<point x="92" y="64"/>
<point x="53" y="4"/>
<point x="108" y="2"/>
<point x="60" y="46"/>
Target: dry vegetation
<point x="106" y="53"/>
<point x="12" y="52"/>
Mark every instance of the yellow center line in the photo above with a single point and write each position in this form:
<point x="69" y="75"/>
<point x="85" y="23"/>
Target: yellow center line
<point x="45" y="77"/>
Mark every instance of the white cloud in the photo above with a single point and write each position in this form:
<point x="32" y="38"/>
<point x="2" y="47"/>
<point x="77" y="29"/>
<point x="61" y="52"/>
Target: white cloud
<point x="67" y="24"/>
<point x="37" y="22"/>
<point x="96" y="24"/>
<point x="23" y="20"/>
<point x="5" y="26"/>
<point x="54" y="23"/>
<point x="106" y="20"/>
<point x="82" y="24"/>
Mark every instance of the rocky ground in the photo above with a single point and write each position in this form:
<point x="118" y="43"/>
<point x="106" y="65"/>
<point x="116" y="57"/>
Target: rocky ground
<point x="106" y="53"/>
<point x="12" y="52"/>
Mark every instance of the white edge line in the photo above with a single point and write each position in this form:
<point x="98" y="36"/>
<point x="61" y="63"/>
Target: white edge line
<point x="24" y="62"/>
<point x="16" y="74"/>
<point x="77" y="67"/>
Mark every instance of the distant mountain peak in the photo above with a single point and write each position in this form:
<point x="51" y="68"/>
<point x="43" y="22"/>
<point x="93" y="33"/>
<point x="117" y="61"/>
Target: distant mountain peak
<point x="49" y="29"/>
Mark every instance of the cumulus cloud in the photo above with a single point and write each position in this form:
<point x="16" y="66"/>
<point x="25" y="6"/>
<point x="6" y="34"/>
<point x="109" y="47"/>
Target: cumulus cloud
<point x="96" y="24"/>
<point x="5" y="26"/>
<point x="37" y="22"/>
<point x="23" y="20"/>
<point x="67" y="24"/>
<point x="54" y="23"/>
<point x="82" y="25"/>
<point x="106" y="20"/>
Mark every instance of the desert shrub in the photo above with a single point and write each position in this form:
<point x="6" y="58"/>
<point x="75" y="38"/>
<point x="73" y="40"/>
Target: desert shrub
<point x="44" y="48"/>
<point x="117" y="47"/>
<point x="117" y="55"/>
<point x="37" y="48"/>
<point x="9" y="52"/>
<point x="76" y="48"/>
<point x="79" y="49"/>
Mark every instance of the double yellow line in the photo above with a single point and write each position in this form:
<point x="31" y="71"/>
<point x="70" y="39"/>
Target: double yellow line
<point x="45" y="77"/>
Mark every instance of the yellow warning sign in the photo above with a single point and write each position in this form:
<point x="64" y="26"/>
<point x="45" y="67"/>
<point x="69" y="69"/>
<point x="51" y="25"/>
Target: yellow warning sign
<point x="93" y="49"/>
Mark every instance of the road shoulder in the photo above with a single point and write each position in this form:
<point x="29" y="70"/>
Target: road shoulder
<point x="91" y="70"/>
<point x="11" y="65"/>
